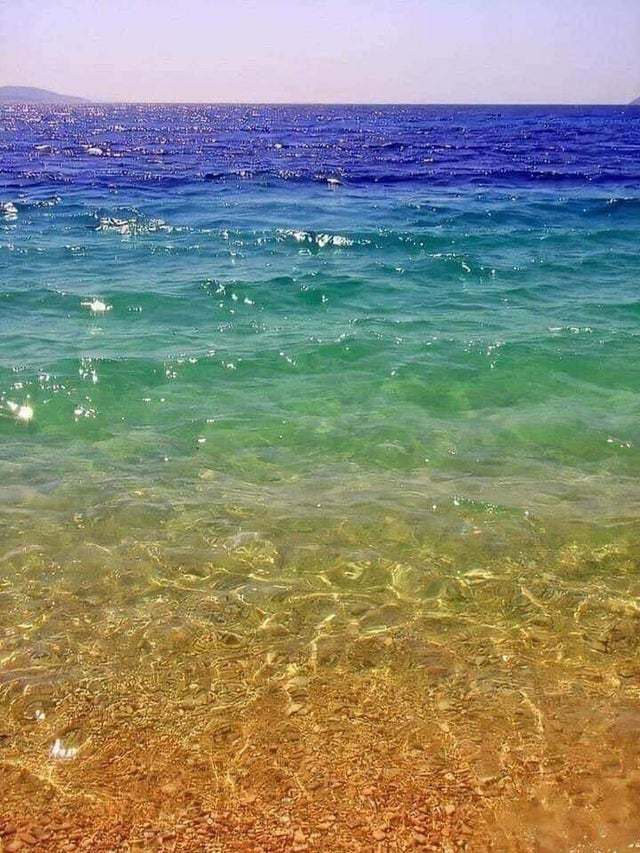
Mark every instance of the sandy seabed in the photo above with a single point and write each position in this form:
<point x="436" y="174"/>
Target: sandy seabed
<point x="370" y="705"/>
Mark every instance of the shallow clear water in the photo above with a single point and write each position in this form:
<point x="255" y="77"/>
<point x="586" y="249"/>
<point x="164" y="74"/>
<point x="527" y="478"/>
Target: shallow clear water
<point x="299" y="382"/>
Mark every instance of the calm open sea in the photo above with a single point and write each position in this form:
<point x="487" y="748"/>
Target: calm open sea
<point x="279" y="384"/>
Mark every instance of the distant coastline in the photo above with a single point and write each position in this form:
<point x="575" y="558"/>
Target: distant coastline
<point x="33" y="95"/>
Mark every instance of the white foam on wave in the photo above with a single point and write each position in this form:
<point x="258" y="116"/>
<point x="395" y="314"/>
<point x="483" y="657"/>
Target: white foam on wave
<point x="132" y="226"/>
<point x="320" y="240"/>
<point x="8" y="209"/>
<point x="96" y="306"/>
<point x="110" y="223"/>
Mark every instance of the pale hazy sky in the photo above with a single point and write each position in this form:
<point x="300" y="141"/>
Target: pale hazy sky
<point x="488" y="51"/>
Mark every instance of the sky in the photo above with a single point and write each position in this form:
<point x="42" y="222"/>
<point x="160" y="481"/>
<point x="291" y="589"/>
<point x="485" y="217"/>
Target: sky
<point x="331" y="51"/>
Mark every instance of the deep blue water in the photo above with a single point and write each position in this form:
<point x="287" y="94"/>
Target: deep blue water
<point x="453" y="147"/>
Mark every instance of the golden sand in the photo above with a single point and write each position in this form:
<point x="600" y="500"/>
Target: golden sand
<point x="368" y="705"/>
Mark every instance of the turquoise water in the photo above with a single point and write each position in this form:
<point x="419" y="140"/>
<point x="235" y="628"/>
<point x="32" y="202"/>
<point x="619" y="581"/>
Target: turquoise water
<point x="450" y="351"/>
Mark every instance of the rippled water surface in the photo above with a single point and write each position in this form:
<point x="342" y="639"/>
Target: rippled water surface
<point x="319" y="432"/>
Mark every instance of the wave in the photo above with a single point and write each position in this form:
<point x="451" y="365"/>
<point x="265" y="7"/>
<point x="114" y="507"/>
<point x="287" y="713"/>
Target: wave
<point x="623" y="204"/>
<point x="132" y="226"/>
<point x="8" y="210"/>
<point x="316" y="240"/>
<point x="435" y="177"/>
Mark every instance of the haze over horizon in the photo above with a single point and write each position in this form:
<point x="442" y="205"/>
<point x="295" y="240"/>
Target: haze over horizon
<point x="365" y="51"/>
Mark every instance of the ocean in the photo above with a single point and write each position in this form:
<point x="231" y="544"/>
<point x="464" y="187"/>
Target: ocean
<point x="319" y="477"/>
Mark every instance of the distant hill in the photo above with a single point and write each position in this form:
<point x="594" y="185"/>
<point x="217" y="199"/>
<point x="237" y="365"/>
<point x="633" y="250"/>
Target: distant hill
<point x="31" y="95"/>
<point x="636" y="103"/>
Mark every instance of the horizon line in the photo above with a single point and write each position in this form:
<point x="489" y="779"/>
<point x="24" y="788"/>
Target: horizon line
<point x="90" y="102"/>
<point x="66" y="98"/>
